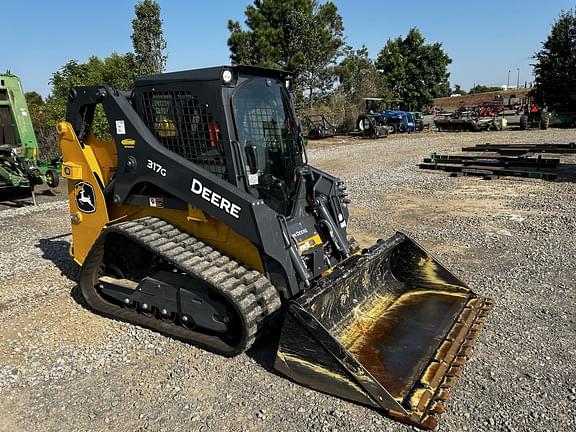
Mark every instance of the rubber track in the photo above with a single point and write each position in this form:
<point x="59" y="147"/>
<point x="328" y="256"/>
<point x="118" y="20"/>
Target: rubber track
<point x="251" y="294"/>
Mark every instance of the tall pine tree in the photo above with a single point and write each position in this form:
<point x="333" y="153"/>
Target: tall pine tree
<point x="303" y="36"/>
<point x="148" y="38"/>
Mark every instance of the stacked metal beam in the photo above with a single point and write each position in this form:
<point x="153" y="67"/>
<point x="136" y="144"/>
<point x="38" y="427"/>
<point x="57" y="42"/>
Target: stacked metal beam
<point x="498" y="165"/>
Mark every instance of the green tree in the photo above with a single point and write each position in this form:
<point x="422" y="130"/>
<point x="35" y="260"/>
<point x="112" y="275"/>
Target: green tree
<point x="148" y="38"/>
<point x="118" y="70"/>
<point x="414" y="71"/>
<point x="35" y="104"/>
<point x="458" y="90"/>
<point x="555" y="83"/>
<point x="303" y="36"/>
<point x="265" y="42"/>
<point x="115" y="70"/>
<point x="357" y="75"/>
<point x="479" y="88"/>
<point x="45" y="135"/>
<point x="33" y="98"/>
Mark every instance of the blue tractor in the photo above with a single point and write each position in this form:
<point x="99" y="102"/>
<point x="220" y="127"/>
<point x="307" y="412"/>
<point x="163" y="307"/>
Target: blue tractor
<point x="399" y="121"/>
<point x="387" y="113"/>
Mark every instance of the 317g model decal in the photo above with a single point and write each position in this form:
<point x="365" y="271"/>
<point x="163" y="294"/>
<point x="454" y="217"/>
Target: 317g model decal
<point x="156" y="167"/>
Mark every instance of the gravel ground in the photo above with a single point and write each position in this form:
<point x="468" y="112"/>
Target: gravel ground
<point x="64" y="368"/>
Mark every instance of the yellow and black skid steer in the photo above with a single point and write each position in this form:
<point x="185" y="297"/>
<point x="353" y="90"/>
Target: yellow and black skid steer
<point x="201" y="219"/>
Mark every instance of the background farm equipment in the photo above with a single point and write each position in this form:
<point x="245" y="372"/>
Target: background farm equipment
<point x="372" y="125"/>
<point x="418" y="120"/>
<point x="489" y="109"/>
<point x="563" y="120"/>
<point x="20" y="168"/>
<point x="399" y="121"/>
<point x="467" y="120"/>
<point x="318" y="126"/>
<point x="399" y="118"/>
<point x="414" y="120"/>
<point x="534" y="116"/>
<point x="384" y="114"/>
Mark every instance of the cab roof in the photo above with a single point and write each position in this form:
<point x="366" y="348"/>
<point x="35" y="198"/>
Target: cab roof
<point x="211" y="74"/>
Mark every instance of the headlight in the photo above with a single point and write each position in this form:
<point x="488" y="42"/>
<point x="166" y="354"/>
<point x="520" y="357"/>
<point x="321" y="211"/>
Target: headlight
<point x="227" y="76"/>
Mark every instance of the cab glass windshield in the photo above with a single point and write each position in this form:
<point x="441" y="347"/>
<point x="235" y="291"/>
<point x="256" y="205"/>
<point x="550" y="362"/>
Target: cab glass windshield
<point x="269" y="139"/>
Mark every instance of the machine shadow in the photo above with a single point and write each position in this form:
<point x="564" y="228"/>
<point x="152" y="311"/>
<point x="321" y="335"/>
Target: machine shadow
<point x="264" y="350"/>
<point x="55" y="249"/>
<point x="16" y="198"/>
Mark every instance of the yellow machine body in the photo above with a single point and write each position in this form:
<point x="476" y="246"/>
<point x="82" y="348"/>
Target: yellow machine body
<point x="95" y="162"/>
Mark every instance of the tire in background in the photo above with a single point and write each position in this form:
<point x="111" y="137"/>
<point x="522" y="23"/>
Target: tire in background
<point x="52" y="178"/>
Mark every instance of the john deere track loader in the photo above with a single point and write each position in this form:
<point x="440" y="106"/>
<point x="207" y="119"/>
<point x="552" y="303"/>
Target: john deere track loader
<point x="202" y="219"/>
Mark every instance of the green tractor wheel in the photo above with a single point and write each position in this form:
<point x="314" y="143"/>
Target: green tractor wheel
<point x="52" y="178"/>
<point x="544" y="122"/>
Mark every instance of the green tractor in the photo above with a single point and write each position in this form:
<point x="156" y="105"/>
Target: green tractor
<point x="418" y="120"/>
<point x="20" y="168"/>
<point x="563" y="120"/>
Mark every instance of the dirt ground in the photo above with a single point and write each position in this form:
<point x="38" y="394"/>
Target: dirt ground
<point x="63" y="368"/>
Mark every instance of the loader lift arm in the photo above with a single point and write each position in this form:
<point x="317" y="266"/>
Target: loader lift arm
<point x="242" y="212"/>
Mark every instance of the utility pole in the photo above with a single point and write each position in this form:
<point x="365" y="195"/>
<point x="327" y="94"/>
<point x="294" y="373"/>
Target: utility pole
<point x="508" y="83"/>
<point x="518" y="78"/>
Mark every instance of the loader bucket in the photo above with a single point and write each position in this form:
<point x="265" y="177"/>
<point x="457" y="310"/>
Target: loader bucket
<point x="389" y="328"/>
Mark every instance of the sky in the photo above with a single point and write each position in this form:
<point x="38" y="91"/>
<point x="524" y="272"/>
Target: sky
<point x="485" y="39"/>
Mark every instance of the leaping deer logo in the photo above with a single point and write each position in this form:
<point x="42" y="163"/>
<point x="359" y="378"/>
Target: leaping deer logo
<point x="85" y="197"/>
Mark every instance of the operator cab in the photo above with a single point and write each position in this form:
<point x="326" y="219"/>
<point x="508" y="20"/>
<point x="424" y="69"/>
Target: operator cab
<point x="237" y="122"/>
